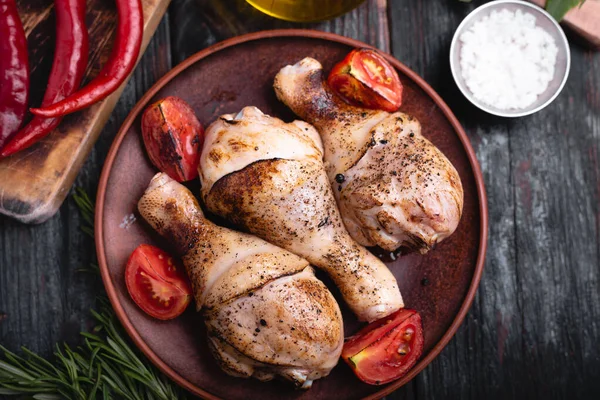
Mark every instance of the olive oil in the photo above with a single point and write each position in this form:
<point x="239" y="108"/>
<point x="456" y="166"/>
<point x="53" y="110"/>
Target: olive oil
<point x="304" y="10"/>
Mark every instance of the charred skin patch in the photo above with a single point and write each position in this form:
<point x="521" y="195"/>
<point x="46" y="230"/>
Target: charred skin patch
<point x="237" y="145"/>
<point x="228" y="195"/>
<point x="215" y="155"/>
<point x="183" y="234"/>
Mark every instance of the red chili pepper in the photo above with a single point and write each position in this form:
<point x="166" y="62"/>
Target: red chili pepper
<point x="14" y="71"/>
<point x="120" y="63"/>
<point x="70" y="60"/>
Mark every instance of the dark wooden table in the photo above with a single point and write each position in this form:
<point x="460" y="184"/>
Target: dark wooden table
<point x="534" y="328"/>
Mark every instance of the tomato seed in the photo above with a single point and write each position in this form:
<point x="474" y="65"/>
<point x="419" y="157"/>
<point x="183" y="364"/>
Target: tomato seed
<point x="403" y="349"/>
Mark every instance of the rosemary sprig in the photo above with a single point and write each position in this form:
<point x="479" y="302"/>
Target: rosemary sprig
<point x="105" y="367"/>
<point x="86" y="209"/>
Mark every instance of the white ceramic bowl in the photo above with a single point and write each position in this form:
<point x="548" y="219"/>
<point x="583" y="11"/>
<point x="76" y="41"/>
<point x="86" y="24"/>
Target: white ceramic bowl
<point x="545" y="21"/>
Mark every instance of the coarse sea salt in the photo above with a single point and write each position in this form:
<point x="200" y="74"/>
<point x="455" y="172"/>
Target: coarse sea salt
<point x="506" y="60"/>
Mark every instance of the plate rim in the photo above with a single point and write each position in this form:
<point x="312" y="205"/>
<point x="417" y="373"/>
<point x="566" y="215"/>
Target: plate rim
<point x="281" y="33"/>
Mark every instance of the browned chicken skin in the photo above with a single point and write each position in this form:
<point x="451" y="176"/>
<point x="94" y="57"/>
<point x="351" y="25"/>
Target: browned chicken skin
<point x="268" y="177"/>
<point x="394" y="187"/>
<point x="266" y="313"/>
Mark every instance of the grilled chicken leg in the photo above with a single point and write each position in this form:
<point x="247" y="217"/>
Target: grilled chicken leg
<point x="268" y="177"/>
<point x="394" y="187"/>
<point x="265" y="311"/>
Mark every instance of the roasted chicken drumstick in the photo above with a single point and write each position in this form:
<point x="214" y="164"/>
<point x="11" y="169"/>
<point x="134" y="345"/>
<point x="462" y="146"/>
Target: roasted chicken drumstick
<point x="268" y="177"/>
<point x="393" y="186"/>
<point x="266" y="313"/>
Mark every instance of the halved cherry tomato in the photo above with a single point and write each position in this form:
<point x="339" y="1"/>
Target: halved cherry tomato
<point x="365" y="79"/>
<point x="387" y="349"/>
<point x="157" y="283"/>
<point x="173" y="137"/>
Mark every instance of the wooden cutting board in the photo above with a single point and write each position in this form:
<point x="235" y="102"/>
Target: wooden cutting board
<point x="584" y="20"/>
<point x="34" y="183"/>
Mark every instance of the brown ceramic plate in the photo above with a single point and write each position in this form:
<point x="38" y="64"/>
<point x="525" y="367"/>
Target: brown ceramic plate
<point x="223" y="79"/>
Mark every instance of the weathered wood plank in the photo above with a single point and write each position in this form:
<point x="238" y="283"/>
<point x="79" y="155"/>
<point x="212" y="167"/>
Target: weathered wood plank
<point x="556" y="208"/>
<point x="204" y="22"/>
